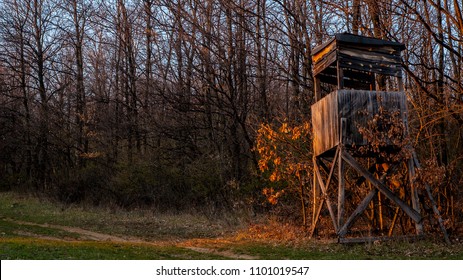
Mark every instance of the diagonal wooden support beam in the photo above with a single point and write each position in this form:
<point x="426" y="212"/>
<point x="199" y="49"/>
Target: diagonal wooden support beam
<point x="317" y="216"/>
<point x="362" y="179"/>
<point x="415" y="216"/>
<point x="322" y="201"/>
<point x="357" y="212"/>
<point x="330" y="175"/>
<point x="365" y="202"/>
<point x="325" y="194"/>
<point x="327" y="170"/>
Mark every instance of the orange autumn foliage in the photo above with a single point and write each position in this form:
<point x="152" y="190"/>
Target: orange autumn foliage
<point x="285" y="155"/>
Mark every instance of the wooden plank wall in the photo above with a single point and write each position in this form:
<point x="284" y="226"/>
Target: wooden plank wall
<point x="357" y="106"/>
<point x="325" y="121"/>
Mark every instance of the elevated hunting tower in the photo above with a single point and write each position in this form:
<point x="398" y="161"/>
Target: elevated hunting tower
<point x="363" y="165"/>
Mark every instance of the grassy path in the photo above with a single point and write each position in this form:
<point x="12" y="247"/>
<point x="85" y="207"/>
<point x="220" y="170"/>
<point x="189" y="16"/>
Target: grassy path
<point x="83" y="233"/>
<point x="88" y="235"/>
<point x="31" y="228"/>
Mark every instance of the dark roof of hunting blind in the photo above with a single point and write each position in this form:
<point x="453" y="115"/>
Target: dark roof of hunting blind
<point x="358" y="56"/>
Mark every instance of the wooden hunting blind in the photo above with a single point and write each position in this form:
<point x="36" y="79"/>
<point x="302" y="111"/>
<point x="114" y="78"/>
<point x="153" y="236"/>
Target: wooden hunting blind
<point x="351" y="61"/>
<point x="356" y="68"/>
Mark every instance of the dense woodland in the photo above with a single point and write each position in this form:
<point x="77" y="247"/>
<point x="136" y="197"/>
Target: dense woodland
<point x="159" y="102"/>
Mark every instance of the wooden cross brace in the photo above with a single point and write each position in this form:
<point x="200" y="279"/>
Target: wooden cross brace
<point x="342" y="228"/>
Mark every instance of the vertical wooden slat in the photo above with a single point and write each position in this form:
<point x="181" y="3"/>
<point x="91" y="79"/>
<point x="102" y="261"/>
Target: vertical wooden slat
<point x="340" y="74"/>
<point x="317" y="88"/>
<point x="372" y="81"/>
<point x="400" y="84"/>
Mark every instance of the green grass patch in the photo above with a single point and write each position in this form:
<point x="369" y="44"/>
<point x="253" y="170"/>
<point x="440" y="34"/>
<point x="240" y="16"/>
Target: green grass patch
<point x="34" y="249"/>
<point x="391" y="250"/>
<point x="143" y="224"/>
<point x="13" y="229"/>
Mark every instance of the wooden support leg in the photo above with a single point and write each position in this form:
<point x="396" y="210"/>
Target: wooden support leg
<point x="341" y="180"/>
<point x="304" y="215"/>
<point x="394" y="221"/>
<point x="317" y="88"/>
<point x="315" y="198"/>
<point x="341" y="190"/>
<point x="325" y="194"/>
<point x="396" y="217"/>
<point x="380" y="211"/>
<point x="434" y="205"/>
<point x="317" y="211"/>
<point x="414" y="194"/>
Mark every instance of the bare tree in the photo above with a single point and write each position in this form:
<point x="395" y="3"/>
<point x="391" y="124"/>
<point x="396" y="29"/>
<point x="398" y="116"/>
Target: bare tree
<point x="14" y="54"/>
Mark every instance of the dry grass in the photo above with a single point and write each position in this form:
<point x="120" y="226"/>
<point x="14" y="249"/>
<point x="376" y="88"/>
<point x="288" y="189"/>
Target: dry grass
<point x="31" y="228"/>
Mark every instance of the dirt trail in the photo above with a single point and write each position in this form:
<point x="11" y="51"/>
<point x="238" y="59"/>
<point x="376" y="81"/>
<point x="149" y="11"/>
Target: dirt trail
<point x="86" y="234"/>
<point x="194" y="244"/>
